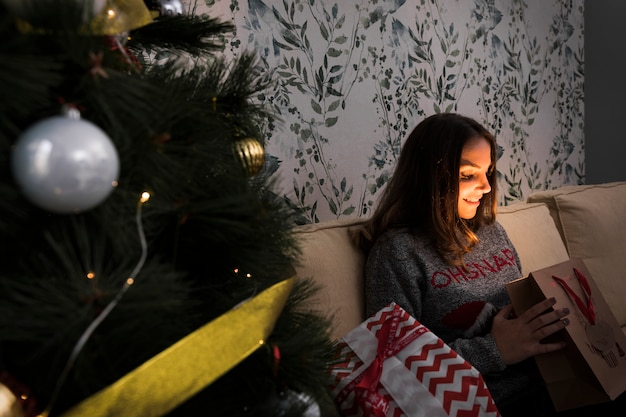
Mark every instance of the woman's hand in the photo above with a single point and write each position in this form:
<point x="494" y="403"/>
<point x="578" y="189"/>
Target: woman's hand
<point x="519" y="338"/>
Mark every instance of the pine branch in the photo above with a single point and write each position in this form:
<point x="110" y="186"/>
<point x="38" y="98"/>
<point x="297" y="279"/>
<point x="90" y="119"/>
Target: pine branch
<point x="181" y="34"/>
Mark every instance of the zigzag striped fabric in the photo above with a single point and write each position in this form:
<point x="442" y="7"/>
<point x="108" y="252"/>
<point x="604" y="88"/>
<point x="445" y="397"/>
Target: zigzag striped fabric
<point x="411" y="373"/>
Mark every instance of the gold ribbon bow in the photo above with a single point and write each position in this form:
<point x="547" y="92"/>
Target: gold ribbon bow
<point x="173" y="376"/>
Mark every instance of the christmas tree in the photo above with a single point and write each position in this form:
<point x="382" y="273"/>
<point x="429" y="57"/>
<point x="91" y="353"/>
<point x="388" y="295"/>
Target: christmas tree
<point x="146" y="261"/>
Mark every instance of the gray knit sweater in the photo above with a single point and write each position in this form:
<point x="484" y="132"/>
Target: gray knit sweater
<point x="457" y="305"/>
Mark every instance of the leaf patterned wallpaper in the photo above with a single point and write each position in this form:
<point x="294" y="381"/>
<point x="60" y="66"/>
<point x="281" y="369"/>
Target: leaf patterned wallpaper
<point x="353" y="77"/>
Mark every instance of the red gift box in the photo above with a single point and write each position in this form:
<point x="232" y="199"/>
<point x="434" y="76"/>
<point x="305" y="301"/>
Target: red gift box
<point x="392" y="365"/>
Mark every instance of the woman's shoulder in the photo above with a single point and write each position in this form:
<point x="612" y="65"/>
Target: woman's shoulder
<point x="399" y="241"/>
<point x="494" y="229"/>
<point x="396" y="236"/>
<point x="493" y="233"/>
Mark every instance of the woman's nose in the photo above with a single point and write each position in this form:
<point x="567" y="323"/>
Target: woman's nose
<point x="484" y="184"/>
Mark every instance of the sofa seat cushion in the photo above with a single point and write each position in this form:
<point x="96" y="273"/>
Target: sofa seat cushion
<point x="591" y="221"/>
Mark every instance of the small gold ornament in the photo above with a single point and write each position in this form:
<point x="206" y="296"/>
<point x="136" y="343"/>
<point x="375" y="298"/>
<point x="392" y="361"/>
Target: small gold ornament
<point x="120" y="16"/>
<point x="251" y="154"/>
<point x="9" y="404"/>
<point x="105" y="17"/>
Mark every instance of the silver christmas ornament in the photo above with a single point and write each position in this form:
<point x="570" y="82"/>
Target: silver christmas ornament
<point x="289" y="399"/>
<point x="166" y="7"/>
<point x="64" y="164"/>
<point x="172" y="7"/>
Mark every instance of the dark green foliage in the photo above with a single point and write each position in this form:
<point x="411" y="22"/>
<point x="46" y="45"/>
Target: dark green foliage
<point x="173" y="125"/>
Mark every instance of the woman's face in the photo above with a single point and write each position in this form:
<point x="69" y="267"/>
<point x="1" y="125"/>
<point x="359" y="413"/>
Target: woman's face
<point x="473" y="181"/>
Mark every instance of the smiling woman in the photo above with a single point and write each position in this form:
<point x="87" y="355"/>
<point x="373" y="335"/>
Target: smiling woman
<point x="435" y="249"/>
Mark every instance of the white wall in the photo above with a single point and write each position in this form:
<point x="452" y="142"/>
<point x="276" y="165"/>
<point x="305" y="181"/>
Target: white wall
<point x="354" y="77"/>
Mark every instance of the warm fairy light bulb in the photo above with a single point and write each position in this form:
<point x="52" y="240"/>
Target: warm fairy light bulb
<point x="91" y="275"/>
<point x="115" y="184"/>
<point x="145" y="196"/>
<point x="236" y="270"/>
<point x="248" y="275"/>
<point x="9" y="405"/>
<point x="130" y="281"/>
<point x="111" y="13"/>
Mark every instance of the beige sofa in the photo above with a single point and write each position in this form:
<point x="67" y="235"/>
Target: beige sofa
<point x="585" y="221"/>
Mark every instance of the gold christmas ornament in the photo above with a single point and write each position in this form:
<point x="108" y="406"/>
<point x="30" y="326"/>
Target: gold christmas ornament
<point x="251" y="154"/>
<point x="104" y="17"/>
<point x="9" y="404"/>
<point x="120" y="16"/>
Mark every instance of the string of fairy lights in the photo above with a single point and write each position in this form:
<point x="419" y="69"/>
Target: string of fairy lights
<point x="80" y="344"/>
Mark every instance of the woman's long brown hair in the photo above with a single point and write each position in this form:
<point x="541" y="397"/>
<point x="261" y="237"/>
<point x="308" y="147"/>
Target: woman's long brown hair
<point x="423" y="191"/>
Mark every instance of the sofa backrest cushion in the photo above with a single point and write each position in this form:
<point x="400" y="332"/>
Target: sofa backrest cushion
<point x="591" y="219"/>
<point x="533" y="234"/>
<point x="330" y="257"/>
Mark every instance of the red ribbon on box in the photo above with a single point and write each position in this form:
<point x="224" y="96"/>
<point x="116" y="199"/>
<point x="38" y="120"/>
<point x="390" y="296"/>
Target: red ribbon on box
<point x="587" y="309"/>
<point x="392" y="365"/>
<point x="366" y="385"/>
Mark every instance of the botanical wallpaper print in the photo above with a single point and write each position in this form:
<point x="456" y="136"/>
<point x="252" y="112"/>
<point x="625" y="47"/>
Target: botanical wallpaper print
<point x="353" y="77"/>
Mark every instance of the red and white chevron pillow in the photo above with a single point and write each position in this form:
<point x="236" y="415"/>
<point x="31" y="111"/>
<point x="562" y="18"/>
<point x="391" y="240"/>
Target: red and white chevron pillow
<point x="392" y="366"/>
